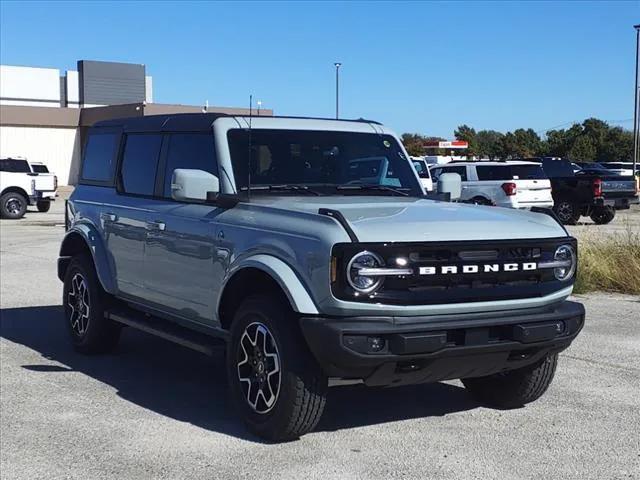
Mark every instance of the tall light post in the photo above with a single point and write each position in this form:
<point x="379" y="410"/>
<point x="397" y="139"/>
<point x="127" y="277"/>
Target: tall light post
<point x="636" y="126"/>
<point x="337" y="65"/>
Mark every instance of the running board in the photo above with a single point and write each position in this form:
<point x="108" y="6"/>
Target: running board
<point x="167" y="330"/>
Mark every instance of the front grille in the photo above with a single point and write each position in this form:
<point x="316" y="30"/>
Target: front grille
<point x="458" y="287"/>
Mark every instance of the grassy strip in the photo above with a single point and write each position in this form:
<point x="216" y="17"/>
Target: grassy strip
<point x="610" y="264"/>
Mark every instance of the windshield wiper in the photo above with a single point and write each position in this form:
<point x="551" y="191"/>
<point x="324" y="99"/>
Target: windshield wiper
<point x="283" y="188"/>
<point x="383" y="188"/>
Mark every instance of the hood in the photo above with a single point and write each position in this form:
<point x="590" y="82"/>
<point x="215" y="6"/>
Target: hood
<point x="393" y="219"/>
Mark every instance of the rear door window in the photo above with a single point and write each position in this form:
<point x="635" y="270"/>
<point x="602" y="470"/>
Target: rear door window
<point x="140" y="163"/>
<point x="100" y="157"/>
<point x="189" y="150"/>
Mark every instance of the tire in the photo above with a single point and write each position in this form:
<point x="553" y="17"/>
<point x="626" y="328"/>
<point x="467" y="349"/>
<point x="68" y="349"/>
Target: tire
<point x="514" y="388"/>
<point x="567" y="212"/>
<point x="84" y="303"/>
<point x="283" y="391"/>
<point x="44" y="205"/>
<point x="480" y="201"/>
<point x="602" y="215"/>
<point x="13" y="205"/>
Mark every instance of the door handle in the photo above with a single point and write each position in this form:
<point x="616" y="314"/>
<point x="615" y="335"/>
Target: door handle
<point x="108" y="217"/>
<point x="160" y="226"/>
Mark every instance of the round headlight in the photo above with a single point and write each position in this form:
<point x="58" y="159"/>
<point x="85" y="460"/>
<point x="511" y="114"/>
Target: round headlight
<point x="363" y="283"/>
<point x="566" y="256"/>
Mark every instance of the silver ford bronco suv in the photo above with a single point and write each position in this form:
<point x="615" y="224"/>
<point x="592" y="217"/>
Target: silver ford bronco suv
<point x="308" y="248"/>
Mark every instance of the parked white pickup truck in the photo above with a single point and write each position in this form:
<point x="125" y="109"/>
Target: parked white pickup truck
<point x="21" y="186"/>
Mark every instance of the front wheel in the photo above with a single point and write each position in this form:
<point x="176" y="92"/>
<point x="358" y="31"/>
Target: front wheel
<point x="603" y="215"/>
<point x="43" y="206"/>
<point x="279" y="388"/>
<point x="567" y="212"/>
<point x="514" y="388"/>
<point x="13" y="205"/>
<point x="84" y="306"/>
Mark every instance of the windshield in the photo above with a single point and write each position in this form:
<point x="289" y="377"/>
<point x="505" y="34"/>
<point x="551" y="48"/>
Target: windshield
<point x="322" y="161"/>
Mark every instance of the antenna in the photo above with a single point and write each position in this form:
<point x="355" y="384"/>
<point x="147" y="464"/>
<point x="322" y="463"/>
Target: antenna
<point x="249" y="156"/>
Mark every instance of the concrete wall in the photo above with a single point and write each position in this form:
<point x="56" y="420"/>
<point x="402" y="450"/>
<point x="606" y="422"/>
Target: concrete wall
<point x="38" y="87"/>
<point x="58" y="147"/>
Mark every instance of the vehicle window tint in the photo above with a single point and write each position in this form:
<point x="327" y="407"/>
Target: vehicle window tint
<point x="435" y="173"/>
<point x="557" y="168"/>
<point x="100" y="157"/>
<point x="40" y="168"/>
<point x="460" y="170"/>
<point x="14" y="165"/>
<point x="491" y="172"/>
<point x="139" y="163"/>
<point x="527" y="172"/>
<point x="189" y="150"/>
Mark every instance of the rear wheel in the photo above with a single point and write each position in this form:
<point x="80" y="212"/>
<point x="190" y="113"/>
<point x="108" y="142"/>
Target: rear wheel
<point x="84" y="305"/>
<point x="567" y="212"/>
<point x="43" y="205"/>
<point x="275" y="381"/>
<point x="516" y="387"/>
<point x="13" y="205"/>
<point x="603" y="215"/>
<point x="480" y="201"/>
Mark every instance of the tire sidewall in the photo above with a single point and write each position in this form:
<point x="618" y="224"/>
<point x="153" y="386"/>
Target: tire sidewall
<point x="277" y="319"/>
<point x="81" y="265"/>
<point x="7" y="197"/>
<point x="43" y="206"/>
<point x="569" y="218"/>
<point x="603" y="215"/>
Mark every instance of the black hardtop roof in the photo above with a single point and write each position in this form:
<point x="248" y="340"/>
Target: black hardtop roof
<point x="186" y="122"/>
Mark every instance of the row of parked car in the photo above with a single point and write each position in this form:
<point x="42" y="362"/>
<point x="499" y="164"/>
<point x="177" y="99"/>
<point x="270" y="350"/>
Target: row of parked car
<point x="571" y="189"/>
<point x="24" y="183"/>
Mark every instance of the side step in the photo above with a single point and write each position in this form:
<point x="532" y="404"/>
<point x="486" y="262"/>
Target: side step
<point x="168" y="330"/>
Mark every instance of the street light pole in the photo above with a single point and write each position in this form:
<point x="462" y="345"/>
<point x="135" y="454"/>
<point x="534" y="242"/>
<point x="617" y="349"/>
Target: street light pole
<point x="636" y="126"/>
<point x="337" y="65"/>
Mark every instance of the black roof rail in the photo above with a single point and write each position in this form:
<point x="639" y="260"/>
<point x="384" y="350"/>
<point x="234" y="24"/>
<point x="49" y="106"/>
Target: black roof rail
<point x="193" y="121"/>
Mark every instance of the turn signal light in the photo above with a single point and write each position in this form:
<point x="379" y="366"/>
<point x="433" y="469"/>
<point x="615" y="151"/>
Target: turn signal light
<point x="509" y="188"/>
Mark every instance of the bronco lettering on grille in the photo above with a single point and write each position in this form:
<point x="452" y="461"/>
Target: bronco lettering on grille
<point x="474" y="269"/>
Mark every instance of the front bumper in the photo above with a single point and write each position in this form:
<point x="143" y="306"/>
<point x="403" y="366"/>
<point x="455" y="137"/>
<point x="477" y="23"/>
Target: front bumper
<point x="434" y="348"/>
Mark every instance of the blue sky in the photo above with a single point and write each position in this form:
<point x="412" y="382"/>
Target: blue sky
<point x="419" y="67"/>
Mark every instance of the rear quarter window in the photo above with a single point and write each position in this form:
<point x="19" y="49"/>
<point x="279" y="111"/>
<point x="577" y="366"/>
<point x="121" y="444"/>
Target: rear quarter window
<point x="99" y="161"/>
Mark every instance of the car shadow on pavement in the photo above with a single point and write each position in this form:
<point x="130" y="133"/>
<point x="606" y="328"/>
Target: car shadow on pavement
<point x="190" y="387"/>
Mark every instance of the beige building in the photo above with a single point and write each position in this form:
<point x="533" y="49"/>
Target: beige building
<point x="44" y="116"/>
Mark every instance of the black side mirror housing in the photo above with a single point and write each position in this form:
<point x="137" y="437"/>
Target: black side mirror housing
<point x="223" y="200"/>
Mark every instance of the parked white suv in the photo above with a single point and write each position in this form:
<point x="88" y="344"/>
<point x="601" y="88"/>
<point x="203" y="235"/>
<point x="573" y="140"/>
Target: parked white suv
<point x="511" y="184"/>
<point x="21" y="186"/>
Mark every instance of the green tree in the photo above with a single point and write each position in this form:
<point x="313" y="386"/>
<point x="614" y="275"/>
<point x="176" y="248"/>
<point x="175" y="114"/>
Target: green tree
<point x="414" y="143"/>
<point x="489" y="144"/>
<point x="583" y="149"/>
<point x="467" y="134"/>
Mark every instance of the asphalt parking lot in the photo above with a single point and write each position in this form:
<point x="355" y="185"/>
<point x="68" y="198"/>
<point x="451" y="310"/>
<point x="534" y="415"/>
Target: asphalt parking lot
<point x="156" y="410"/>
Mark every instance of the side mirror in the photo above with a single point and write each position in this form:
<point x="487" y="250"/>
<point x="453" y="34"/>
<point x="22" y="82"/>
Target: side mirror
<point x="188" y="184"/>
<point x="450" y="183"/>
